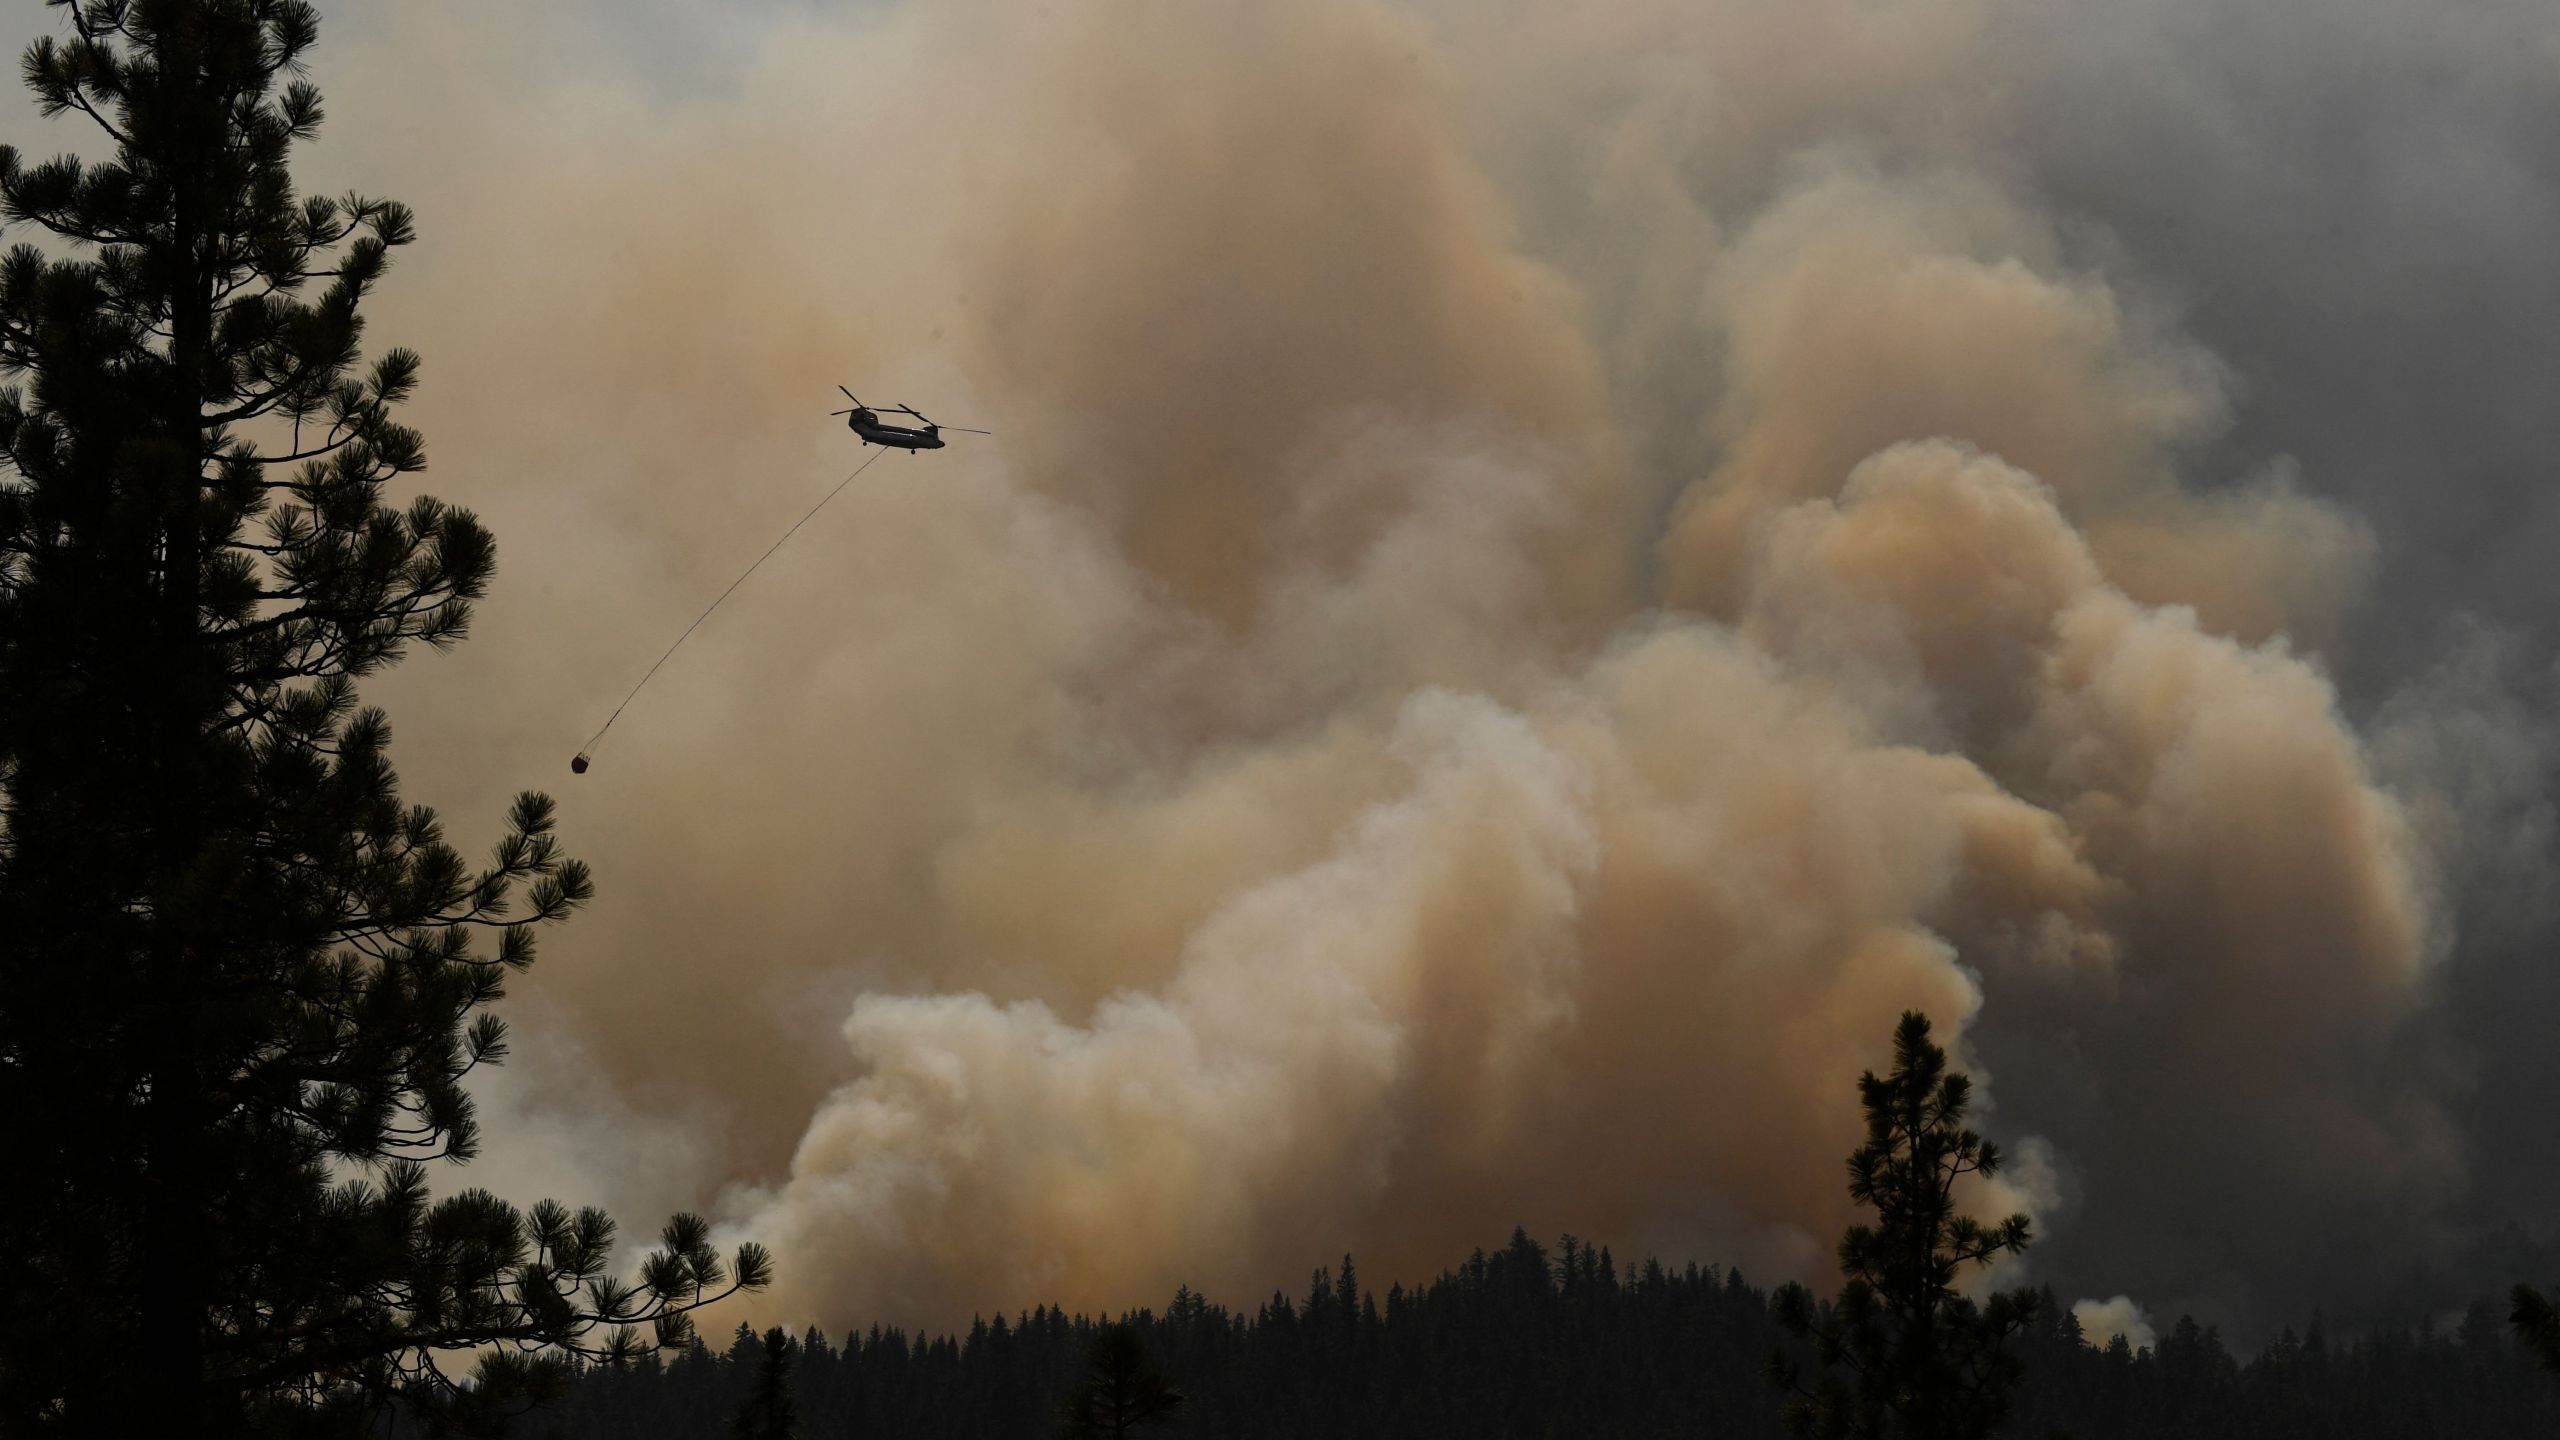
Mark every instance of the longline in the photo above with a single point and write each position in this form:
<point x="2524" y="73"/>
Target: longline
<point x="579" y="764"/>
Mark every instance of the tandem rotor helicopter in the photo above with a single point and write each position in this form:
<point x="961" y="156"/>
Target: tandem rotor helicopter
<point x="864" y="420"/>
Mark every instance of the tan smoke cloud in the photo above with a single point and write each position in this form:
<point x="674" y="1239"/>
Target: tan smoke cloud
<point x="1243" y="225"/>
<point x="1701" y="867"/>
<point x="1861" y="312"/>
<point x="1290" y="791"/>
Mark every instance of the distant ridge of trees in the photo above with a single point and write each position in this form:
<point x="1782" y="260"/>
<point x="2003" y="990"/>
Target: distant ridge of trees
<point x="1531" y="1341"/>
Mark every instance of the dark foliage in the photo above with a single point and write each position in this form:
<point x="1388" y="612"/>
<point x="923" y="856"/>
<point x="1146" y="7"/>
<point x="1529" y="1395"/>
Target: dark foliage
<point x="245" y="981"/>
<point x="771" y="1411"/>
<point x="2537" y="1323"/>
<point x="1528" y="1342"/>
<point x="1902" y="1353"/>
<point x="1123" y="1389"/>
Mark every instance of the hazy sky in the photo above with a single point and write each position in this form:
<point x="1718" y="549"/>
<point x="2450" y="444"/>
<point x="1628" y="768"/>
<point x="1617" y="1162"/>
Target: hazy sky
<point x="1546" y="568"/>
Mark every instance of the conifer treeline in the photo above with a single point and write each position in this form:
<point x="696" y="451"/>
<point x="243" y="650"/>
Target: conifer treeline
<point x="1528" y="1342"/>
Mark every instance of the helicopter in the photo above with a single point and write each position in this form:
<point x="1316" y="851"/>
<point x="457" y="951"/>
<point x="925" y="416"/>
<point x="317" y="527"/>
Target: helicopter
<point x="864" y="420"/>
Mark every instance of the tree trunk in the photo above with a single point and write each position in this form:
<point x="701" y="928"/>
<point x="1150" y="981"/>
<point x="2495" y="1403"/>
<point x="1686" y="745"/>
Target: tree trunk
<point x="176" y="1295"/>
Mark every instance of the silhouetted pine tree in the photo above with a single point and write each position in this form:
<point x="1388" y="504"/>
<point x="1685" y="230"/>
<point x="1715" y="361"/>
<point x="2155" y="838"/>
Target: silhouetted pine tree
<point x="1903" y="1353"/>
<point x="245" y="980"/>
<point x="1123" y="1388"/>
<point x="2537" y="1323"/>
<point x="770" y="1412"/>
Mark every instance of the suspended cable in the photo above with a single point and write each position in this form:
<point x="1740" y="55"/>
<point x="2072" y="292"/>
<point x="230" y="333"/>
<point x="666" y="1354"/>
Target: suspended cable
<point x="578" y="764"/>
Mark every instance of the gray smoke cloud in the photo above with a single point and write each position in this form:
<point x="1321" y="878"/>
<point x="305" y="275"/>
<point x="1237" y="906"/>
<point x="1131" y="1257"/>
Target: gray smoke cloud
<point x="1545" y="571"/>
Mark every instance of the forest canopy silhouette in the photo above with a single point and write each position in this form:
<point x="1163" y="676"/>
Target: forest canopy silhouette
<point x="1529" y="1341"/>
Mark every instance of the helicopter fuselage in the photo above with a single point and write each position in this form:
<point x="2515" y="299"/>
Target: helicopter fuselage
<point x="897" y="437"/>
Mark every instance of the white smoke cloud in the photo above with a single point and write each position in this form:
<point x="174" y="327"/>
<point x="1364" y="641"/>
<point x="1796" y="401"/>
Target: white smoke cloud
<point x="2104" y="1320"/>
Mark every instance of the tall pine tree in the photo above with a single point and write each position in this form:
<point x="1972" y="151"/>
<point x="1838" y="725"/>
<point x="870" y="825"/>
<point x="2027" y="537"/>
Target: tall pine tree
<point x="1903" y="1354"/>
<point x="2537" y="1324"/>
<point x="1123" y="1388"/>
<point x="245" y="982"/>
<point x="771" y="1411"/>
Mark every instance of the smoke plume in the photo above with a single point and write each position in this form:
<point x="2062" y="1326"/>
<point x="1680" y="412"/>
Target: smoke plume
<point x="1542" y="575"/>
